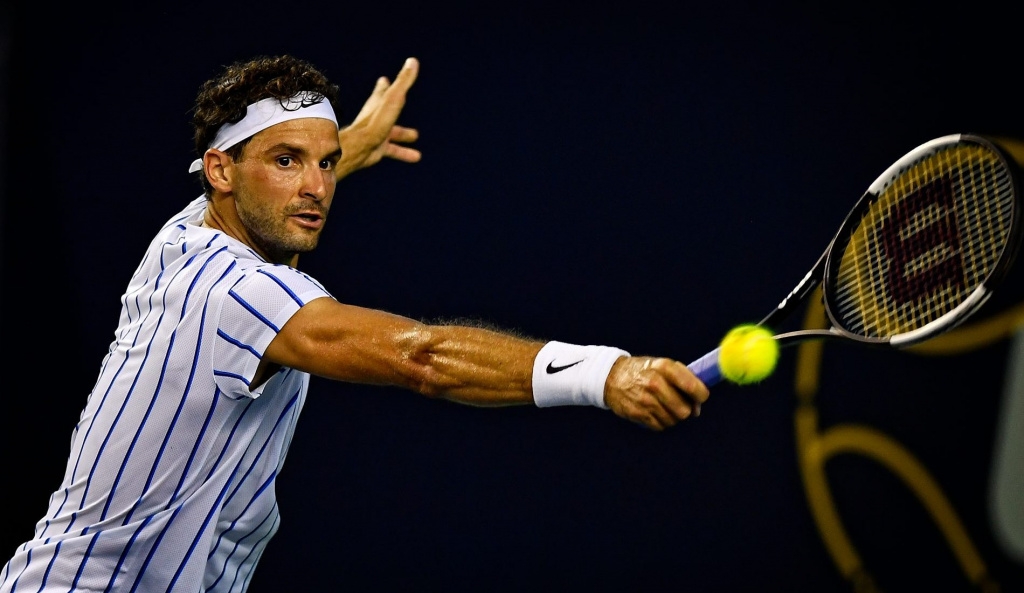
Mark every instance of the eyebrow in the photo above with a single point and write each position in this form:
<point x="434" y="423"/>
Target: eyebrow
<point x="287" y="147"/>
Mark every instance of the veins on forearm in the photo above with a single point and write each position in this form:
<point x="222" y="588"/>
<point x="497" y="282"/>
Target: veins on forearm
<point x="469" y="364"/>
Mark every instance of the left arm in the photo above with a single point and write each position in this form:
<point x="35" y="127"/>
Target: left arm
<point x="373" y="134"/>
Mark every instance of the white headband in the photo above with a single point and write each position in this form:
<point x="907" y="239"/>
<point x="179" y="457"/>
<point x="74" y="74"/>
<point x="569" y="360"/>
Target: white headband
<point x="263" y="114"/>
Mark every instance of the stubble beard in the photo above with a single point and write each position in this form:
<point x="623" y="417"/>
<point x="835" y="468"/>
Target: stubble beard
<point x="271" y="234"/>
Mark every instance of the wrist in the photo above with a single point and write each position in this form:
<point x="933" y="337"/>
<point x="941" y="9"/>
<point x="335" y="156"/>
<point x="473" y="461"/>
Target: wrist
<point x="571" y="375"/>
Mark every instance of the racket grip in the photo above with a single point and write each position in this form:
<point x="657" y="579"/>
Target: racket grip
<point x="706" y="368"/>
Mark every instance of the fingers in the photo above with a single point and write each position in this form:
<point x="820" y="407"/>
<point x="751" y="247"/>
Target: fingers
<point x="407" y="75"/>
<point x="403" y="134"/>
<point x="390" y="95"/>
<point x="655" y="392"/>
<point x="683" y="379"/>
<point x="403" y="153"/>
<point x="403" y="82"/>
<point x="388" y="98"/>
<point x="394" y="148"/>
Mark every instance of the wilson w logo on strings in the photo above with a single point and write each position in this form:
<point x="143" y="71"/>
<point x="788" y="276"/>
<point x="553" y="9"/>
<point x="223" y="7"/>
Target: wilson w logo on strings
<point x="921" y="238"/>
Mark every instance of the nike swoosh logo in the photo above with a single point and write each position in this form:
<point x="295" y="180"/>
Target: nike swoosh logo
<point x="552" y="369"/>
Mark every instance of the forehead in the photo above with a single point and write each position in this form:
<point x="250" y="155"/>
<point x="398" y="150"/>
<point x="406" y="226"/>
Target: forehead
<point x="311" y="133"/>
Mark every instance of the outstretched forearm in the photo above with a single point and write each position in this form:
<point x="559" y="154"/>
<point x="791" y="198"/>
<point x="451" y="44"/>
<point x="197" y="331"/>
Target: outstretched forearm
<point x="471" y="365"/>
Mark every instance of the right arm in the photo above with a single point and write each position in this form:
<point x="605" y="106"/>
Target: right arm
<point x="471" y="365"/>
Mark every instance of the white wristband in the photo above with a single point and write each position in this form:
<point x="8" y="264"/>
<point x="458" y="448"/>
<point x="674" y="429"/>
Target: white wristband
<point x="571" y="375"/>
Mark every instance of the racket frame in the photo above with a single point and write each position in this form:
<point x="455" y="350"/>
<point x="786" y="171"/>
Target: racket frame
<point x="852" y="221"/>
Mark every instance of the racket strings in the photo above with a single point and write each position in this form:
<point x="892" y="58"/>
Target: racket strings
<point x="932" y="236"/>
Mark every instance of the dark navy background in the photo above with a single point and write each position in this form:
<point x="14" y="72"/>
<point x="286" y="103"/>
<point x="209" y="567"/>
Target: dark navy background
<point x="625" y="176"/>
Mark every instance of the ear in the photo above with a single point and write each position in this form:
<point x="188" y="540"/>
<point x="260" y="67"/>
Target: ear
<point x="217" y="165"/>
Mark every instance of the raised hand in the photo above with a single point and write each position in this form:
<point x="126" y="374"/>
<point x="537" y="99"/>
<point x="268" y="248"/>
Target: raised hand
<point x="374" y="133"/>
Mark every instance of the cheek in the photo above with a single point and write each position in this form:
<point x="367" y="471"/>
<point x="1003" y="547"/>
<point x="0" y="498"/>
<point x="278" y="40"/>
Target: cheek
<point x="277" y="178"/>
<point x="276" y="185"/>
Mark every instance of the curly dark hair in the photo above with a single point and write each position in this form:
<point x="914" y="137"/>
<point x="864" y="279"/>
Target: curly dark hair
<point x="224" y="99"/>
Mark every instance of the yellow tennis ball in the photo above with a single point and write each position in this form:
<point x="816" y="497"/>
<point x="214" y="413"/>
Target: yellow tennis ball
<point x="747" y="354"/>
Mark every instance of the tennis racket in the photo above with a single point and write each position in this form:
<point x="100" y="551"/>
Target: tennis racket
<point x="920" y="252"/>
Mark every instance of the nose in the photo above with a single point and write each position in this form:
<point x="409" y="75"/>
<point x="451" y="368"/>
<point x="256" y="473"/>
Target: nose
<point x="317" y="184"/>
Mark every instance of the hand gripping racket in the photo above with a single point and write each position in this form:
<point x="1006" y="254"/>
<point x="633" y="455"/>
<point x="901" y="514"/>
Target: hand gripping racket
<point x="921" y="251"/>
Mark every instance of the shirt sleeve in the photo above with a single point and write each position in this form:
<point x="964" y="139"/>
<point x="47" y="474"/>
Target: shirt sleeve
<point x="255" y="308"/>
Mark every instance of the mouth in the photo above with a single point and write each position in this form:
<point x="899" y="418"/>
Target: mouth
<point x="309" y="220"/>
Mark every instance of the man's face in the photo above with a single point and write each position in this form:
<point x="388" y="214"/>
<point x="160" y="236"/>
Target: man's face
<point x="285" y="185"/>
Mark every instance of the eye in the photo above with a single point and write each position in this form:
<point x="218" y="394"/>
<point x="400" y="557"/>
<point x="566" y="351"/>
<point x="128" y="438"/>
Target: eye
<point x="284" y="161"/>
<point x="327" y="164"/>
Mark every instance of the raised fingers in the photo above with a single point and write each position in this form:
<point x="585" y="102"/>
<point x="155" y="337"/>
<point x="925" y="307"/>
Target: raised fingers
<point x="406" y="76"/>
<point x="396" y="149"/>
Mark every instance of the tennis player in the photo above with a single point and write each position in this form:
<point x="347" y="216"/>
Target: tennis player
<point x="169" y="484"/>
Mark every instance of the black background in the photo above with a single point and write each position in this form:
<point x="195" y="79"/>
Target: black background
<point x="638" y="177"/>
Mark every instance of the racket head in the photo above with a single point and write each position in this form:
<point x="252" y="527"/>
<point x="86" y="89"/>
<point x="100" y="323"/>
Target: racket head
<point x="926" y="244"/>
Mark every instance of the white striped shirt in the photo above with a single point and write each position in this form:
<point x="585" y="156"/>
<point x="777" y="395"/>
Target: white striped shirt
<point x="169" y="485"/>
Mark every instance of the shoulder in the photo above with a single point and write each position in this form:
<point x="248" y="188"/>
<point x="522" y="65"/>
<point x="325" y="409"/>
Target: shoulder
<point x="261" y="280"/>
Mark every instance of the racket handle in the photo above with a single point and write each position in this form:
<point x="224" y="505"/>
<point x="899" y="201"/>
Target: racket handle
<point x="706" y="368"/>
